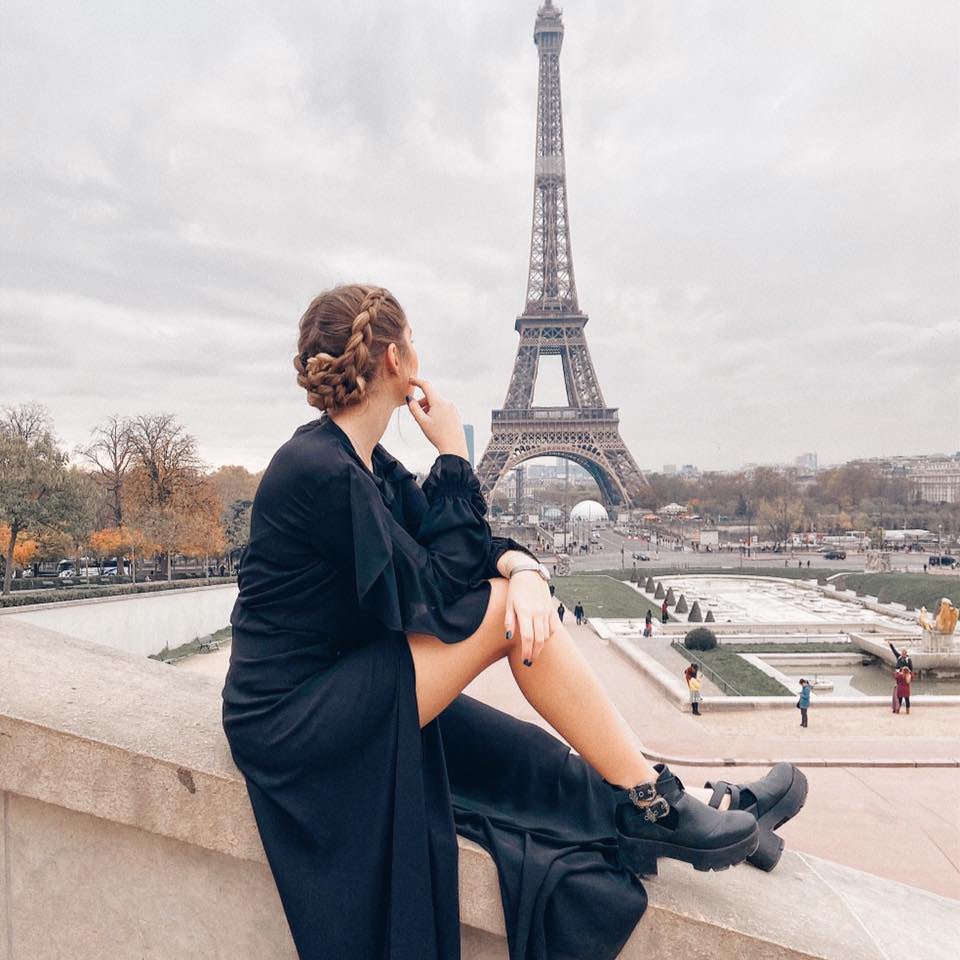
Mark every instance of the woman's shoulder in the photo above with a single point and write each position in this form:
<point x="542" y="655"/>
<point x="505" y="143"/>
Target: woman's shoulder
<point x="313" y="456"/>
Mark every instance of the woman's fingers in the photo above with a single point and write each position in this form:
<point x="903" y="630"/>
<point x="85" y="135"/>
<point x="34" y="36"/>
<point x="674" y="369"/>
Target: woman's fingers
<point x="509" y="622"/>
<point x="539" y="635"/>
<point x="417" y="411"/>
<point x="526" y="634"/>
<point x="426" y="386"/>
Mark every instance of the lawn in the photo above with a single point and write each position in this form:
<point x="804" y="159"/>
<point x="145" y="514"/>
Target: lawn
<point x="733" y="674"/>
<point x="820" y="646"/>
<point x="654" y="570"/>
<point x="914" y="589"/>
<point x="603" y="596"/>
<point x="192" y="646"/>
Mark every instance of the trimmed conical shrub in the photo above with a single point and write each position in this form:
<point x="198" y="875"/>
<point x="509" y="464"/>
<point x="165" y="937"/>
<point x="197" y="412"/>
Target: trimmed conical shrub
<point x="682" y="604"/>
<point x="650" y="585"/>
<point x="883" y="596"/>
<point x="695" y="616"/>
<point x="709" y="618"/>
<point x="821" y="581"/>
<point x="671" y="599"/>
<point x="659" y="593"/>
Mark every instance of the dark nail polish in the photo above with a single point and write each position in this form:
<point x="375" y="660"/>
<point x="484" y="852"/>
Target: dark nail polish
<point x="408" y="399"/>
<point x="509" y="634"/>
<point x="528" y="663"/>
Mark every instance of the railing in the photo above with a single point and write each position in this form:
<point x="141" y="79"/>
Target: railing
<point x="559" y="413"/>
<point x="724" y="685"/>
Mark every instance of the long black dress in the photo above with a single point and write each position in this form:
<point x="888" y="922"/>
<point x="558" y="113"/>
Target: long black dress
<point x="358" y="808"/>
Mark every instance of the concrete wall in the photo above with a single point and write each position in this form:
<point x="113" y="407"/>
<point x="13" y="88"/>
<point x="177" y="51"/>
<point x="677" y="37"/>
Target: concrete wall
<point x="141" y="623"/>
<point x="126" y="833"/>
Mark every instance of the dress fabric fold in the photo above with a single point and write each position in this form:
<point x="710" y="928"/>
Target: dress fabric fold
<point x="358" y="808"/>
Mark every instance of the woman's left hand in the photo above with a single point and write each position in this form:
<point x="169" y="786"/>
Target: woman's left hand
<point x="531" y="610"/>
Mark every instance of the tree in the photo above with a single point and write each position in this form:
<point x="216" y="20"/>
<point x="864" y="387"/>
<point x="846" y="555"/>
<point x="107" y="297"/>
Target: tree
<point x="32" y="476"/>
<point x="164" y="484"/>
<point x="78" y="513"/>
<point x="111" y="452"/>
<point x="24" y="550"/>
<point x="781" y="516"/>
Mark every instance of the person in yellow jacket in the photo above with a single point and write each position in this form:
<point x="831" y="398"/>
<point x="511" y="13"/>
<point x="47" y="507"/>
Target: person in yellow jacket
<point x="692" y="673"/>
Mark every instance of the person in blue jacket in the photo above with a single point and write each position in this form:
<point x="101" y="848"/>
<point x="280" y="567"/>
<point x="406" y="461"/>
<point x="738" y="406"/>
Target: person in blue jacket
<point x="804" y="701"/>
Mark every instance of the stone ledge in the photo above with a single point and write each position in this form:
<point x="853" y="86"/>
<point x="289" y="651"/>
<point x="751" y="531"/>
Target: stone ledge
<point x="125" y="757"/>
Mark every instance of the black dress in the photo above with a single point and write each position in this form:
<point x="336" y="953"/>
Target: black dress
<point x="357" y="807"/>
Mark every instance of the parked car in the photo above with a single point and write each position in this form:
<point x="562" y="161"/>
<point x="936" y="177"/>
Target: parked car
<point x="835" y="555"/>
<point x="942" y="560"/>
<point x="640" y="556"/>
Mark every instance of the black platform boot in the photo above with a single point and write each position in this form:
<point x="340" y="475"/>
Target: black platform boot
<point x="773" y="801"/>
<point x="659" y="819"/>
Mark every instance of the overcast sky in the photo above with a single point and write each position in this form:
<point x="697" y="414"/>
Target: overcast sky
<point x="764" y="203"/>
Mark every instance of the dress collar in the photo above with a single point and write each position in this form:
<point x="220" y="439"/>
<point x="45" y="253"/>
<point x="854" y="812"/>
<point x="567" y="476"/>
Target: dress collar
<point x="387" y="470"/>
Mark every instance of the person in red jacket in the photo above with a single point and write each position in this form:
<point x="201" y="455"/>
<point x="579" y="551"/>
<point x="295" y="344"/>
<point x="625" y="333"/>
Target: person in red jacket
<point x="901" y="695"/>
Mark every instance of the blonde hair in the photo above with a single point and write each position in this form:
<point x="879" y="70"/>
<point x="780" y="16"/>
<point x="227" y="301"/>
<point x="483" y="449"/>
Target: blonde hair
<point x="343" y="334"/>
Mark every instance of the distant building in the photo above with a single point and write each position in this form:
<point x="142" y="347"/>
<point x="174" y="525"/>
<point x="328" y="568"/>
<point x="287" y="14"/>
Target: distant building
<point x="689" y="471"/>
<point x="468" y="432"/>
<point x="669" y="469"/>
<point x="937" y="481"/>
<point x="807" y="462"/>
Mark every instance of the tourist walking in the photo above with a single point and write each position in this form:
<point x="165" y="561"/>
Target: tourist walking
<point x="578" y="612"/>
<point x="692" y="676"/>
<point x="902" y="679"/>
<point x="366" y="603"/>
<point x="648" y="624"/>
<point x="803" y="702"/>
<point x="664" y="616"/>
<point x="561" y="610"/>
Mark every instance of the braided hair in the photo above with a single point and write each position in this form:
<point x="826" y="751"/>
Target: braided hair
<point x="343" y="334"/>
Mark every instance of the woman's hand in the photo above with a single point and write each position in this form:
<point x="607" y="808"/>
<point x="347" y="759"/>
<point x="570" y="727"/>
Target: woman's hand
<point x="530" y="608"/>
<point x="439" y="419"/>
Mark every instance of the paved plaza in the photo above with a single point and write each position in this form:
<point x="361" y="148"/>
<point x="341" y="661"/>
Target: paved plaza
<point x="897" y="822"/>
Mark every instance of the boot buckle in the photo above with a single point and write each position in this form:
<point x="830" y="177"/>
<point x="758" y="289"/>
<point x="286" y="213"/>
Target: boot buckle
<point x="645" y="796"/>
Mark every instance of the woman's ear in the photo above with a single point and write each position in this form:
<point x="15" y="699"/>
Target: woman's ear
<point x="393" y="358"/>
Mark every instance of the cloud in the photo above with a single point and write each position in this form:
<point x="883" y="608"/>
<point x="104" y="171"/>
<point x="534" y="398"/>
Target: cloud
<point x="764" y="204"/>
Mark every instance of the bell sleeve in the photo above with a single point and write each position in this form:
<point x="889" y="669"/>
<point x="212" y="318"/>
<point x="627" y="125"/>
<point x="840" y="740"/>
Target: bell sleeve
<point x="413" y="583"/>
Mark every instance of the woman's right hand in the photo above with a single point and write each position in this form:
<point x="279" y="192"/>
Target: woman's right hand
<point x="439" y="419"/>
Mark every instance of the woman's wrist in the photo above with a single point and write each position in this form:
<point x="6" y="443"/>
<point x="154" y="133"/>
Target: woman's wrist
<point x="456" y="450"/>
<point x="509" y="559"/>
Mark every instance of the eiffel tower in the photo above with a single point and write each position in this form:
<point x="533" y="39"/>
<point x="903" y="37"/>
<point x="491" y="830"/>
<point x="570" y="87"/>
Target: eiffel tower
<point x="585" y="430"/>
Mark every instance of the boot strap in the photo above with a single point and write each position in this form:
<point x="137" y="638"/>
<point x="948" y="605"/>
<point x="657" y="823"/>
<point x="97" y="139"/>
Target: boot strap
<point x="645" y="797"/>
<point x="720" y="790"/>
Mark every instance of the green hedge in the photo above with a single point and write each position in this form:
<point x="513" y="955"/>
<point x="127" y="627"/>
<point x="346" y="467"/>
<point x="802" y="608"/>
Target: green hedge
<point x="117" y="590"/>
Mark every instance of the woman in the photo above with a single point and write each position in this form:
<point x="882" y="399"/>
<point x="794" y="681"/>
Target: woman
<point x="692" y="675"/>
<point x="902" y="677"/>
<point x="648" y="624"/>
<point x="664" y="615"/>
<point x="366" y="605"/>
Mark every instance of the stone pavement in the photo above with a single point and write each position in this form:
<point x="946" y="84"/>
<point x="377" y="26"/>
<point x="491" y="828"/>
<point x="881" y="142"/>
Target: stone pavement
<point x="899" y="823"/>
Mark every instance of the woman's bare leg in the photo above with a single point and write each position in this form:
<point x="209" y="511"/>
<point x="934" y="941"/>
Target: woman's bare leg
<point x="560" y="686"/>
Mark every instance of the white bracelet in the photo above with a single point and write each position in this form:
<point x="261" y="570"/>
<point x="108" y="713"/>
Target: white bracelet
<point x="520" y="568"/>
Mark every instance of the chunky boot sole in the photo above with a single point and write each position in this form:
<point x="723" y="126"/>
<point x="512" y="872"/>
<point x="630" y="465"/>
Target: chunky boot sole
<point x="640" y="856"/>
<point x="770" y="848"/>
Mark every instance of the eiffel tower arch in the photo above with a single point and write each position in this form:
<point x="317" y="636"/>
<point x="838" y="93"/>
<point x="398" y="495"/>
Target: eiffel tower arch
<point x="586" y="430"/>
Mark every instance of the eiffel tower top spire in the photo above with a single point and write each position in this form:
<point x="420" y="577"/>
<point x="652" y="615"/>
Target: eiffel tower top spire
<point x="550" y="285"/>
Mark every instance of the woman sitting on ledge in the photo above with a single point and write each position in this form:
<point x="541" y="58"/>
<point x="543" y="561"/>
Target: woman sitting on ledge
<point x="366" y="605"/>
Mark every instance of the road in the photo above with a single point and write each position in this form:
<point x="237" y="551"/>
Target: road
<point x="609" y="558"/>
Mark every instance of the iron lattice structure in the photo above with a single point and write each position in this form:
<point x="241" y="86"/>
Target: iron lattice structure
<point x="586" y="430"/>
